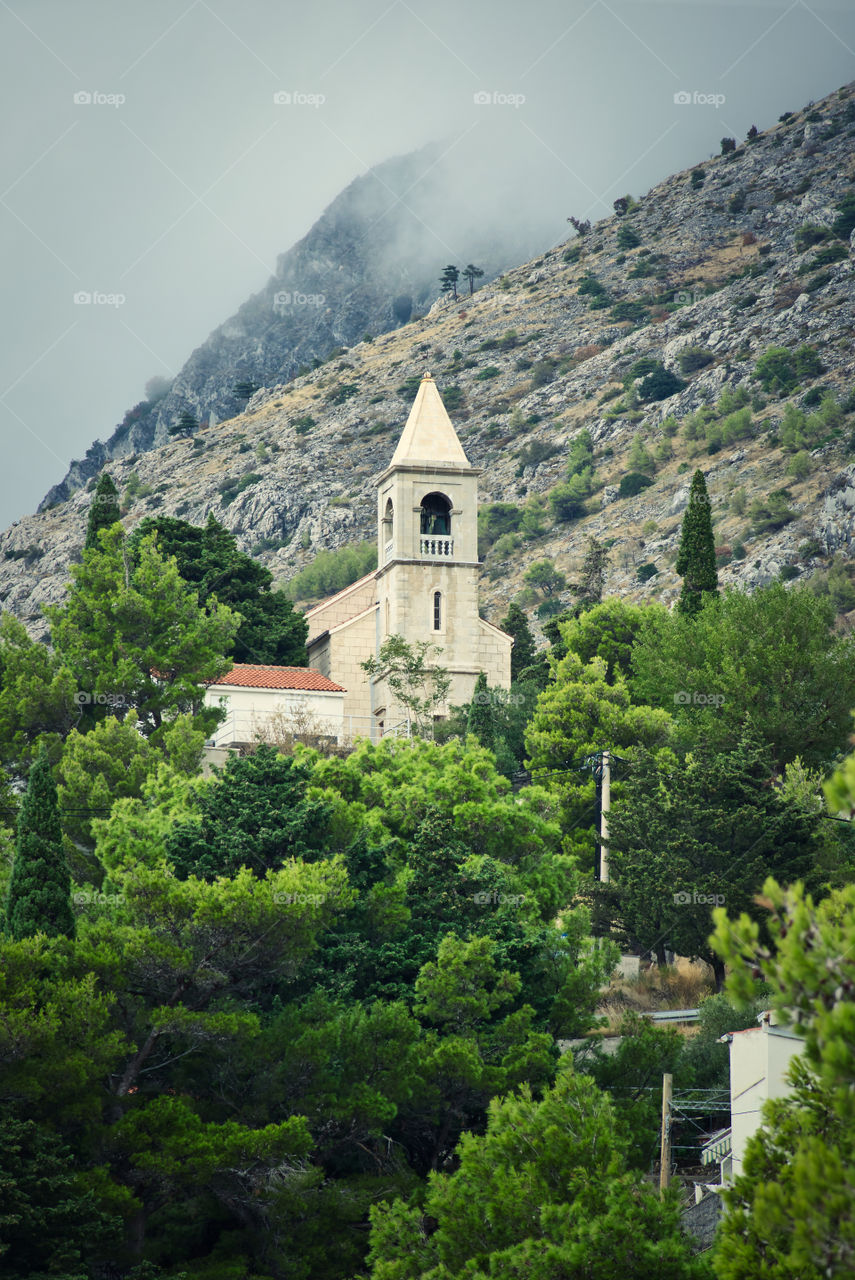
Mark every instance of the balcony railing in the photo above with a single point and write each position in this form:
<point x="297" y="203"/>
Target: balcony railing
<point x="436" y="548"/>
<point x="387" y="551"/>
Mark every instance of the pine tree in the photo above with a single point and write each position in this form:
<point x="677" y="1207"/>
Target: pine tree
<point x="593" y="576"/>
<point x="186" y="425"/>
<point x="480" y="720"/>
<point x="472" y="273"/>
<point x="696" y="557"/>
<point x="39" y="899"/>
<point x="515" y="623"/>
<point x="104" y="510"/>
<point x="448" y="280"/>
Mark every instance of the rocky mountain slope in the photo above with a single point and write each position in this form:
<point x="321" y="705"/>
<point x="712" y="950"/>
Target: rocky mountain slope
<point x="368" y="264"/>
<point x="717" y="265"/>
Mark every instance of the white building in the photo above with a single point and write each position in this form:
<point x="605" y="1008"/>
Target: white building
<point x="263" y="703"/>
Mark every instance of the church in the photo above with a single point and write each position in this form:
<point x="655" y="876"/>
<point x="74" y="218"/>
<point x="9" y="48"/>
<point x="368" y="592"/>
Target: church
<point x="425" y="588"/>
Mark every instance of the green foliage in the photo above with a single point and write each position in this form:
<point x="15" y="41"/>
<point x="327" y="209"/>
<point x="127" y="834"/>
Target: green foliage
<point x="185" y="424"/>
<point x="232" y="488"/>
<point x="844" y="223"/>
<point x="632" y="311"/>
<point x="607" y="630"/>
<point x="537" y="1195"/>
<point x="104" y="509"/>
<point x="771" y="513"/>
<point x="781" y="370"/>
<point x="256" y="814"/>
<point x="332" y="571"/>
<point x="580" y="712"/>
<point x="109" y="762"/>
<point x="208" y="558"/>
<point x="38" y="704"/>
<point x="659" y="385"/>
<point x="135" y="632"/>
<point x="676" y="852"/>
<point x="745" y="649"/>
<point x="696" y="555"/>
<point x="640" y="458"/>
<point x="303" y="424"/>
<point x="805" y="431"/>
<point x="834" y="584"/>
<point x="479" y="721"/>
<point x="567" y="500"/>
<point x="39" y="898"/>
<point x="544" y="577"/>
<point x="418" y="684"/>
<point x="627" y="238"/>
<point x="793" y="1199"/>
<point x="515" y="623"/>
<point x="631" y="483"/>
<point x="691" y="359"/>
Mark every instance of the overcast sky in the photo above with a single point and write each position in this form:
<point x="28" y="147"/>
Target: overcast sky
<point x="146" y="161"/>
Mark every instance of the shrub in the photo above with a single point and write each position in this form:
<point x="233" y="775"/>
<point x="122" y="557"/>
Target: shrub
<point x="641" y="367"/>
<point x="738" y="552"/>
<point x="494" y="520"/>
<point x="542" y="373"/>
<point x="788" y="572"/>
<point x="844" y="223"/>
<point x="811" y="548"/>
<point x="800" y="465"/>
<point x="772" y="514"/>
<point x="736" y="203"/>
<point x="697" y="178"/>
<point x="631" y="483"/>
<point x="453" y="398"/>
<point x="646" y="571"/>
<point x="781" y="370"/>
<point x="728" y="145"/>
<point x="304" y="424"/>
<point x="486" y="374"/>
<point x="332" y="571"/>
<point x="573" y="254"/>
<point x="567" y="501"/>
<point x="230" y="489"/>
<point x="659" y="385"/>
<point x="589" y="284"/>
<point x="627" y="310"/>
<point x="827" y="254"/>
<point x="531" y="455"/>
<point x="810" y="234"/>
<point x="627" y="238"/>
<point x="691" y="359"/>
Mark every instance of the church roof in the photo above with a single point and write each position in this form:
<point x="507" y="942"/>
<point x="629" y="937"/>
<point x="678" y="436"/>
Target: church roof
<point x="429" y="436"/>
<point x="245" y="675"/>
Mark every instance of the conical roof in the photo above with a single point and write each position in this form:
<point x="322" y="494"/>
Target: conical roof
<point x="429" y="436"/>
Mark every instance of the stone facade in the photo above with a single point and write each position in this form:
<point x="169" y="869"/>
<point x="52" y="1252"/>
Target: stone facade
<point x="426" y="584"/>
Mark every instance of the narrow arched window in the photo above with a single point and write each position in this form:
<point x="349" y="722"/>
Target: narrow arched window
<point x="437" y="610"/>
<point x="436" y="514"/>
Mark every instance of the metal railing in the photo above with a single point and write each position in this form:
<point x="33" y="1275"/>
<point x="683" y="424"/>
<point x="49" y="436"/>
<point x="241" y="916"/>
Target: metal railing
<point x="387" y="551"/>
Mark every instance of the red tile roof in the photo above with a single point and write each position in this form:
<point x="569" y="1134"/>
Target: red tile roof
<point x="247" y="676"/>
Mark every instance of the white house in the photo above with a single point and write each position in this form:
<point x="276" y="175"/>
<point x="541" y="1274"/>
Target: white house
<point x="263" y="702"/>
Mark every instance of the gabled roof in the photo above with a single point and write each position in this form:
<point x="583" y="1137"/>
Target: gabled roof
<point x="244" y="675"/>
<point x="429" y="436"/>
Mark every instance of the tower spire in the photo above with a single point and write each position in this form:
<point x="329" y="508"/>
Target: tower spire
<point x="429" y="436"/>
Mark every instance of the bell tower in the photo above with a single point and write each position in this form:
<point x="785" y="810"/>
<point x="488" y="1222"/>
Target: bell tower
<point x="427" y="553"/>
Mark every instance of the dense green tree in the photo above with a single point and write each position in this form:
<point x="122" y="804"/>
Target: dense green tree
<point x="545" y="1193"/>
<point x="255" y="814"/>
<point x="104" y="509"/>
<point x="592" y="579"/>
<point x="544" y="577"/>
<point x="770" y="661"/>
<point x="39" y="899"/>
<point x="686" y="836"/>
<point x="208" y="558"/>
<point x="50" y="1223"/>
<point x="696" y="555"/>
<point x="581" y="713"/>
<point x="515" y="623"/>
<point x="480" y="719"/>
<point x="607" y="630"/>
<point x="136" y="638"/>
<point x="185" y="425"/>
<point x="39" y="702"/>
<point x="790" y="1212"/>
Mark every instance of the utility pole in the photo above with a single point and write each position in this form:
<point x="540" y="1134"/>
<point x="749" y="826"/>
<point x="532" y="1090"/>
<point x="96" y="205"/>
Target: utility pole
<point x="665" y="1142"/>
<point x="605" y="805"/>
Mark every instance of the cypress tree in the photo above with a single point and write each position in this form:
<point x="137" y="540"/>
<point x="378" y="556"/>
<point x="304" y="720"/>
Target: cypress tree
<point x="104" y="510"/>
<point x="696" y="557"/>
<point x="480" y="719"/>
<point x="39" y="899"/>
<point x="515" y="623"/>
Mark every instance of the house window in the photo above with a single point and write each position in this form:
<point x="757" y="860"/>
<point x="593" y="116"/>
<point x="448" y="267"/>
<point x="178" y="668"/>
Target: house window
<point x="436" y="514"/>
<point x="437" y="610"/>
